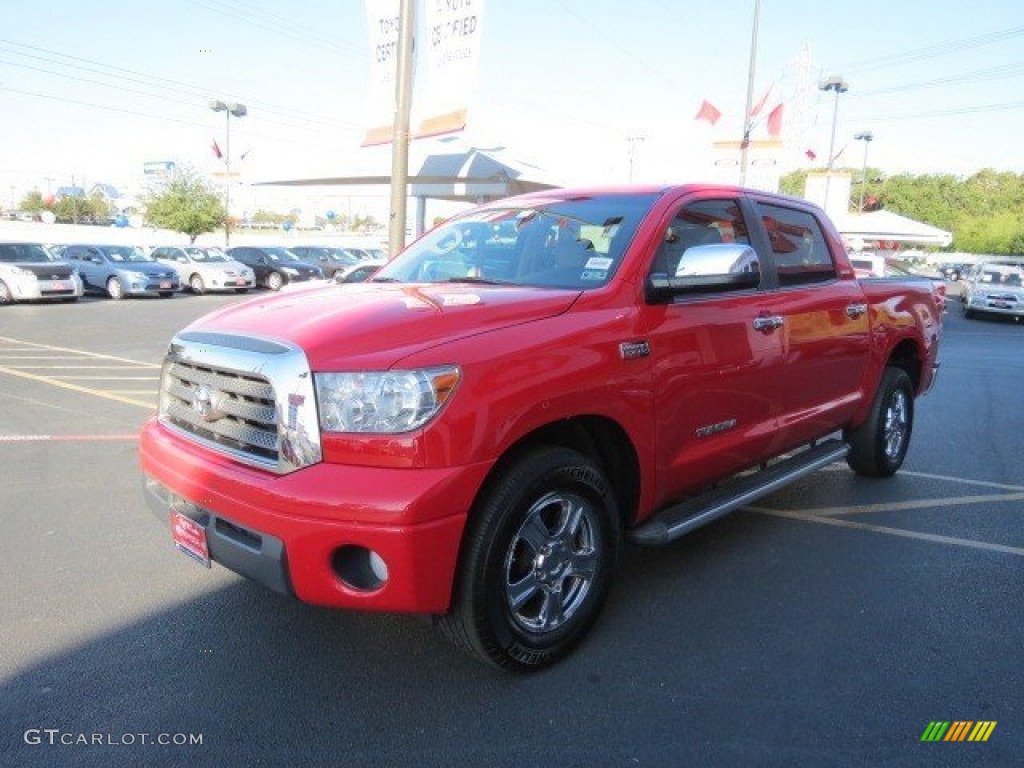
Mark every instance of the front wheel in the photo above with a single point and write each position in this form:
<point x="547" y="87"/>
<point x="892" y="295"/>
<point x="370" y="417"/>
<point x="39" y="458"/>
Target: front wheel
<point x="114" y="289"/>
<point x="275" y="281"/>
<point x="6" y="297"/>
<point x="879" y="445"/>
<point x="197" y="285"/>
<point x="538" y="561"/>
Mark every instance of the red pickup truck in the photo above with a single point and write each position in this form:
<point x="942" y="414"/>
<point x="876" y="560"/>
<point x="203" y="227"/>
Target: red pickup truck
<point x="475" y="433"/>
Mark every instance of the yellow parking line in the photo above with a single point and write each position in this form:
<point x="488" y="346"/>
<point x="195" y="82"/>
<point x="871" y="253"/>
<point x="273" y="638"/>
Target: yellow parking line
<point x="86" y="367"/>
<point x="77" y="352"/>
<point x="75" y="387"/>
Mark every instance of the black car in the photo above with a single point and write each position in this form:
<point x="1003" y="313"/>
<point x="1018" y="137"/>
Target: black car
<point x="329" y="258"/>
<point x="275" y="267"/>
<point x="953" y="271"/>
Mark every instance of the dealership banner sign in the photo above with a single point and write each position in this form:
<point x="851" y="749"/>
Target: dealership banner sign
<point x="447" y="43"/>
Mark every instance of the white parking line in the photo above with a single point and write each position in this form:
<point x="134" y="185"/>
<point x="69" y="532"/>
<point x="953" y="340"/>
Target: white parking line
<point x="935" y="538"/>
<point x="33" y="345"/>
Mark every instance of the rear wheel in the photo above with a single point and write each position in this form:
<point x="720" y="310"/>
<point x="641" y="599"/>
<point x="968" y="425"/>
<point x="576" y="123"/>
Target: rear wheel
<point x="879" y="445"/>
<point x="538" y="562"/>
<point x="114" y="289"/>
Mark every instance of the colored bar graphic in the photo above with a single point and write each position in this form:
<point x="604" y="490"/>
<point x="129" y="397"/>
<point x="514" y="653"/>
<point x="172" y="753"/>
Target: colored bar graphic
<point x="982" y="731"/>
<point x="935" y="731"/>
<point x="958" y="730"/>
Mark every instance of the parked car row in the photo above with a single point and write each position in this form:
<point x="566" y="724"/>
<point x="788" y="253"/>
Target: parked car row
<point x="31" y="271"/>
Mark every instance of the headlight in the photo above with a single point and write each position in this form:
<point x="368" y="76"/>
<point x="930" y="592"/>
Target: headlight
<point x="22" y="272"/>
<point x="382" y="401"/>
<point x="290" y="271"/>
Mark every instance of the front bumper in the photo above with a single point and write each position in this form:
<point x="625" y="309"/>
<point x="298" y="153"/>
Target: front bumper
<point x="150" y="287"/>
<point x="29" y="288"/>
<point x="286" y="531"/>
<point x="997" y="306"/>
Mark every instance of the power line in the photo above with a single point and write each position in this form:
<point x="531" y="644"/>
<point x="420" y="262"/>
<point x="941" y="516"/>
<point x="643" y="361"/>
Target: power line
<point x="1006" y="106"/>
<point x="978" y="75"/>
<point x="165" y="85"/>
<point x="930" y="51"/>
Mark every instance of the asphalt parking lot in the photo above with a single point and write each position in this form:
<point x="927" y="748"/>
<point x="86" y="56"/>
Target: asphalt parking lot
<point x="828" y="626"/>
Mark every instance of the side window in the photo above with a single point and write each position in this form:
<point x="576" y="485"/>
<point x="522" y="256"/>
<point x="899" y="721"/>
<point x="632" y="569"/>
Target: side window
<point x="717" y="223"/>
<point x="801" y="252"/>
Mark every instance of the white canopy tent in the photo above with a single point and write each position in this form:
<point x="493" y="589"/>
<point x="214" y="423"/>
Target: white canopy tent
<point x="888" y="231"/>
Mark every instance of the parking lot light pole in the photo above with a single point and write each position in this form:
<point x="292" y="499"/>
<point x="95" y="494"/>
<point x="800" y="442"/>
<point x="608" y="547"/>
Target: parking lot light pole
<point x="238" y="110"/>
<point x="867" y="137"/>
<point x="838" y="85"/>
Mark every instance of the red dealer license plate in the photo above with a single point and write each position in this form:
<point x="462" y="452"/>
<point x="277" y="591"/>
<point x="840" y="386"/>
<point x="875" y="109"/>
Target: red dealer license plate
<point x="166" y="285"/>
<point x="190" y="537"/>
<point x="240" y="281"/>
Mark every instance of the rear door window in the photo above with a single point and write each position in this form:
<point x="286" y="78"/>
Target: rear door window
<point x="800" y="250"/>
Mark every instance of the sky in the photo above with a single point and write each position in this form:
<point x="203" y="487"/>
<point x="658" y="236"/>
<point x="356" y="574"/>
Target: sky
<point x="586" y="91"/>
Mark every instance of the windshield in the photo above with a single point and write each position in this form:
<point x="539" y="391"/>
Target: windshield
<point x="281" y="254"/>
<point x="576" y="243"/>
<point x="1002" y="275"/>
<point x="23" y="252"/>
<point x="121" y="253"/>
<point x="205" y="254"/>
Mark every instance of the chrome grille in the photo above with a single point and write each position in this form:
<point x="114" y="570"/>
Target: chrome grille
<point x="244" y="414"/>
<point x="248" y="397"/>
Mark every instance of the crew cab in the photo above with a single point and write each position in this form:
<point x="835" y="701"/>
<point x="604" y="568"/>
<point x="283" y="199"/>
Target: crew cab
<point x="476" y="431"/>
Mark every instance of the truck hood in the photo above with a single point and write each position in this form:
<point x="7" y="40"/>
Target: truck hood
<point x="374" y="325"/>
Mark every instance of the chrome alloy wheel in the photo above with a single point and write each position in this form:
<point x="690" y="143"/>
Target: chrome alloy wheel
<point x="896" y="419"/>
<point x="551" y="561"/>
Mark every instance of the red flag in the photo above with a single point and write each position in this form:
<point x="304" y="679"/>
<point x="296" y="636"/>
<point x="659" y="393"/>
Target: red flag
<point x="775" y="121"/>
<point x="216" y="150"/>
<point x="708" y="111"/>
<point x="811" y="154"/>
<point x="761" y="102"/>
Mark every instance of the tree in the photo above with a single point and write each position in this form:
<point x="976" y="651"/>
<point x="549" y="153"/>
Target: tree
<point x="33" y="202"/>
<point x="185" y="203"/>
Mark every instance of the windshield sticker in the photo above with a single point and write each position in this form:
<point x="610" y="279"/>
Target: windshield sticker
<point x="598" y="262"/>
<point x="594" y="274"/>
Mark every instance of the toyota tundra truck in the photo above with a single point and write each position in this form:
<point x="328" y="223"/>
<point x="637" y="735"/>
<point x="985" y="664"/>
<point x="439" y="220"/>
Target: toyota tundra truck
<point x="476" y="432"/>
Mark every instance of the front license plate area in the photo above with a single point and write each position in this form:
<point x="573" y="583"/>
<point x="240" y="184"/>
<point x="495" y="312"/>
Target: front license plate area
<point x="166" y="285"/>
<point x="190" y="537"/>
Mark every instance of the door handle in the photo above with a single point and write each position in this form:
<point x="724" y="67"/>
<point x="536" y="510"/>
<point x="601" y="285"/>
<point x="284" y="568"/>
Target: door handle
<point x="853" y="311"/>
<point x="767" y="323"/>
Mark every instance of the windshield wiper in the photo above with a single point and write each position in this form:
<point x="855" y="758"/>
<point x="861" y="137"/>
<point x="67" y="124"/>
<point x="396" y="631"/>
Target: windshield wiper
<point x="478" y="280"/>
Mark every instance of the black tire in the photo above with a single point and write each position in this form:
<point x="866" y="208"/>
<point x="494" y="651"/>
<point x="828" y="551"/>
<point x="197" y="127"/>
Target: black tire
<point x="879" y="445"/>
<point x="275" y="281"/>
<point x="5" y="294"/>
<point x="538" y="560"/>
<point x="195" y="282"/>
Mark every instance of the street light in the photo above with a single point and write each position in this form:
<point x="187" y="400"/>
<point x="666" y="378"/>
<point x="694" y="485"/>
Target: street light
<point x="867" y="137"/>
<point x="238" y="110"/>
<point x="838" y="85"/>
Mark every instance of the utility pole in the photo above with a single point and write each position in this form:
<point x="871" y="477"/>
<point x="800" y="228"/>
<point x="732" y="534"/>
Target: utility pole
<point x="632" y="141"/>
<point x="400" y="135"/>
<point x="747" y="122"/>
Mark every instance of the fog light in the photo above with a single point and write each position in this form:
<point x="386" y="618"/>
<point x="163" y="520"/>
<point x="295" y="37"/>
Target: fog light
<point x="359" y="568"/>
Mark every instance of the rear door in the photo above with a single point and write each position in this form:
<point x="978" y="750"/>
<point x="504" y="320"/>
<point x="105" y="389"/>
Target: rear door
<point x="824" y="323"/>
<point x="718" y="367"/>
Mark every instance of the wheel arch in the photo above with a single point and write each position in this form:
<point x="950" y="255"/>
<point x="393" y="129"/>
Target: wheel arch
<point x="907" y="356"/>
<point x="599" y="438"/>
